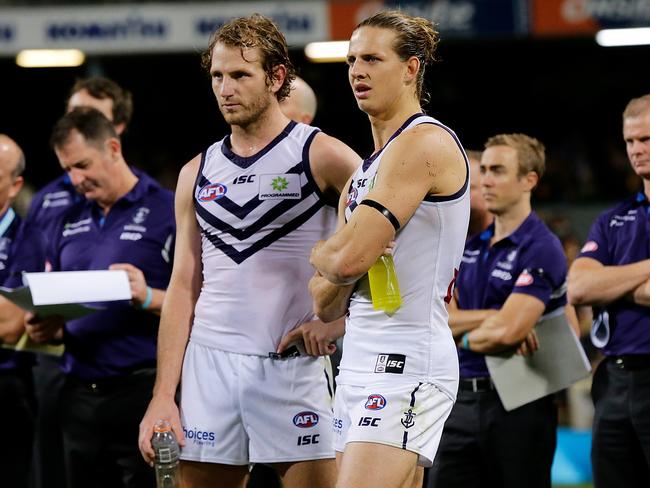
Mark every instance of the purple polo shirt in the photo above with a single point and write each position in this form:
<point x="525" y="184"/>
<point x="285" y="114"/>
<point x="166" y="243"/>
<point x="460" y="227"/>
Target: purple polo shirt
<point x="621" y="236"/>
<point x="528" y="261"/>
<point x="21" y="249"/>
<point x="51" y="201"/>
<point x="139" y="229"/>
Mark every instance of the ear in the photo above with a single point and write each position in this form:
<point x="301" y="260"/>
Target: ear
<point x="113" y="147"/>
<point x="279" y="75"/>
<point x="412" y="69"/>
<point x="16" y="185"/>
<point x="530" y="180"/>
<point x="119" y="128"/>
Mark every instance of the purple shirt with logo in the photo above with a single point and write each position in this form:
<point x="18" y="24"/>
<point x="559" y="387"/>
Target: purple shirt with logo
<point x="21" y="249"/>
<point x="139" y="229"/>
<point x="622" y="236"/>
<point x="528" y="261"/>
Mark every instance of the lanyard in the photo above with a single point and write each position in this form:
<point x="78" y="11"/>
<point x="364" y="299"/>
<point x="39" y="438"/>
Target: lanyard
<point x="6" y="221"/>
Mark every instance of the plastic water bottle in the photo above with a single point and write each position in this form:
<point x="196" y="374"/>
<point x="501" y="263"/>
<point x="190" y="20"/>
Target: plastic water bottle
<point x="167" y="452"/>
<point x="384" y="287"/>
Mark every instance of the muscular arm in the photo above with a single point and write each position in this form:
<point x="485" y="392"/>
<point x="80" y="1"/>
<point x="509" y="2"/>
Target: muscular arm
<point x="330" y="300"/>
<point x="177" y="310"/>
<point x="423" y="160"/>
<point x="509" y="326"/>
<point x="592" y="283"/>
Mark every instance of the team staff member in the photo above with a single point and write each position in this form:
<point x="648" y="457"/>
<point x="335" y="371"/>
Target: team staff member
<point x="21" y="249"/>
<point x="612" y="273"/>
<point x="511" y="274"/>
<point x="47" y="205"/>
<point x="116" y="104"/>
<point x="398" y="376"/>
<point x="124" y="222"/>
<point x="249" y="209"/>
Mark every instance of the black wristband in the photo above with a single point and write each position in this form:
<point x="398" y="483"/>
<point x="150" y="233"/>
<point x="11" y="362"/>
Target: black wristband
<point x="384" y="211"/>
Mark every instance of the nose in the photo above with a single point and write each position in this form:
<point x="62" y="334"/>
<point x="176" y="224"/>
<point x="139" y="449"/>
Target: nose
<point x="76" y="176"/>
<point x="227" y="87"/>
<point x="355" y="71"/>
<point x="635" y="147"/>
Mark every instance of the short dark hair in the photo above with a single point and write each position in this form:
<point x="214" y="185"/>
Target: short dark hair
<point x="415" y="36"/>
<point x="252" y="32"/>
<point x="102" y="88"/>
<point x="89" y="122"/>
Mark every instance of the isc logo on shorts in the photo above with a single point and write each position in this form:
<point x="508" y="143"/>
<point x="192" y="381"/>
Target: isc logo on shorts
<point x="390" y="363"/>
<point x="304" y="420"/>
<point x="375" y="402"/>
<point x="212" y="192"/>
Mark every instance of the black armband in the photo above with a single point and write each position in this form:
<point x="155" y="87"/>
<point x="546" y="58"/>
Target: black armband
<point x="384" y="211"/>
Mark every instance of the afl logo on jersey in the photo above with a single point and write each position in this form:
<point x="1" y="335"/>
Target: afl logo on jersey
<point x="352" y="196"/>
<point x="304" y="420"/>
<point x="212" y="192"/>
<point x="375" y="402"/>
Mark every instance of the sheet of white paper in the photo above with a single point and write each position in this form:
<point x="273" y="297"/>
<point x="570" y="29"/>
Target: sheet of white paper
<point x="559" y="362"/>
<point x="78" y="286"/>
<point x="69" y="311"/>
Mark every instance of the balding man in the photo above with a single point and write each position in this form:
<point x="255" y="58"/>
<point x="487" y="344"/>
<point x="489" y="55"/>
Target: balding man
<point x="20" y="250"/>
<point x="301" y="104"/>
<point x="612" y="274"/>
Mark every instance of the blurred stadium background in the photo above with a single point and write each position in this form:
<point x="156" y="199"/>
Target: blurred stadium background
<point x="530" y="66"/>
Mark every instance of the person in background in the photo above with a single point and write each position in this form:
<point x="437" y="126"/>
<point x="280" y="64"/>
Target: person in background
<point x="123" y="222"/>
<point x="301" y="103"/>
<point x="511" y="274"/>
<point x="479" y="216"/>
<point x="21" y="249"/>
<point x="612" y="274"/>
<point x="46" y="206"/>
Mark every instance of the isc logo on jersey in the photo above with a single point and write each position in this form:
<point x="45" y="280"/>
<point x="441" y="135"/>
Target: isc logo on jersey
<point x="305" y="420"/>
<point x="212" y="191"/>
<point x="375" y="402"/>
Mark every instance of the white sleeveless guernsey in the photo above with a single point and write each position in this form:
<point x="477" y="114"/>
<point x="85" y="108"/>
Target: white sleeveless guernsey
<point x="259" y="218"/>
<point x="415" y="341"/>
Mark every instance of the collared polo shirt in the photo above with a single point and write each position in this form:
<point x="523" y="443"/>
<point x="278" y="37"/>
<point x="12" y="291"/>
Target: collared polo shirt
<point x="621" y="236"/>
<point x="50" y="202"/>
<point x="139" y="229"/>
<point x="21" y="249"/>
<point x="529" y="261"/>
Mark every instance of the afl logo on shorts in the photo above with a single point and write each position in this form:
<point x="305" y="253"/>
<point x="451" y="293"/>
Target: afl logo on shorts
<point x="212" y="192"/>
<point x="305" y="420"/>
<point x="375" y="402"/>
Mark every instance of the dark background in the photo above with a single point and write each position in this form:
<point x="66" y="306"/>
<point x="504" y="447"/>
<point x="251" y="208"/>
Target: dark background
<point x="569" y="93"/>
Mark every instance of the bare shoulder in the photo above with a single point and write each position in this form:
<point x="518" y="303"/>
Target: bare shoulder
<point x="332" y="161"/>
<point x="187" y="175"/>
<point x="430" y="140"/>
<point x="430" y="154"/>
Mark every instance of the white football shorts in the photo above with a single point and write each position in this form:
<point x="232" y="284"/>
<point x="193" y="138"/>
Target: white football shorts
<point x="238" y="409"/>
<point x="407" y="415"/>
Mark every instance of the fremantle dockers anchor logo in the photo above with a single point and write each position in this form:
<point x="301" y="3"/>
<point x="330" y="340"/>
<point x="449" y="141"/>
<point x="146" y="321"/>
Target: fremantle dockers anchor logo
<point x="408" y="421"/>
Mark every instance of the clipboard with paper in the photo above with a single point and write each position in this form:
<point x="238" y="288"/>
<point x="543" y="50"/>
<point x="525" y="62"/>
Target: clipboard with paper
<point x="559" y="362"/>
<point x="65" y="293"/>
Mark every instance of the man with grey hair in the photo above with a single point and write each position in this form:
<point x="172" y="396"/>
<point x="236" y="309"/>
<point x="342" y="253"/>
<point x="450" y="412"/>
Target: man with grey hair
<point x="21" y="250"/>
<point x="612" y="274"/>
